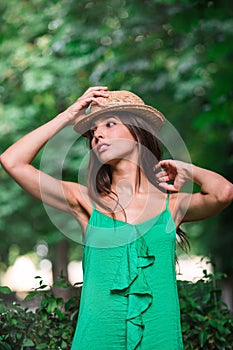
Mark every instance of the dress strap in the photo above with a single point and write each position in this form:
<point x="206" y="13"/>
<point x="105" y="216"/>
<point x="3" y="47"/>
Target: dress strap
<point x="168" y="200"/>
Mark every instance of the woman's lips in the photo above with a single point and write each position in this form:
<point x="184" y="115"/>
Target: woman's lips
<point x="101" y="148"/>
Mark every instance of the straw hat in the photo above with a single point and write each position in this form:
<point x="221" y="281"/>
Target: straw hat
<point x="119" y="101"/>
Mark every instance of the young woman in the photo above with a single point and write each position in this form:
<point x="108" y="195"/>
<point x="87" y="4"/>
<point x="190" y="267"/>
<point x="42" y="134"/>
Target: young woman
<point x="129" y="213"/>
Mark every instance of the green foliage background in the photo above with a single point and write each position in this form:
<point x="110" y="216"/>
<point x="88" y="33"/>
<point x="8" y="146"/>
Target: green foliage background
<point x="177" y="55"/>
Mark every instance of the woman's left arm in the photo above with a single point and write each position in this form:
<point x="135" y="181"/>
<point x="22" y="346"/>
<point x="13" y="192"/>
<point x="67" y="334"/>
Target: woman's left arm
<point x="215" y="193"/>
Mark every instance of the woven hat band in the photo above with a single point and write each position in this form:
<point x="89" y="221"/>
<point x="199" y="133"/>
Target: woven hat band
<point x="92" y="108"/>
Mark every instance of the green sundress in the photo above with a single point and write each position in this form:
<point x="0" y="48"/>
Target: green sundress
<point x="129" y="297"/>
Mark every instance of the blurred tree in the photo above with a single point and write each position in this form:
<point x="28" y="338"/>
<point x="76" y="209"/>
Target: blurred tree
<point x="176" y="54"/>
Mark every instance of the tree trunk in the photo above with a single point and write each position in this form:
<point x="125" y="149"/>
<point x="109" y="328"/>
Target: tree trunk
<point x="60" y="264"/>
<point x="227" y="290"/>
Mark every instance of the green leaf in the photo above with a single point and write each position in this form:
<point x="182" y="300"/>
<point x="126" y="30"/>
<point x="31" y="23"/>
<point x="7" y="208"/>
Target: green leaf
<point x="62" y="284"/>
<point x="217" y="325"/>
<point x="5" y="290"/>
<point x="5" y="346"/>
<point x="52" y="304"/>
<point x="31" y="295"/>
<point x="42" y="346"/>
<point x="202" y="338"/>
<point x="60" y="314"/>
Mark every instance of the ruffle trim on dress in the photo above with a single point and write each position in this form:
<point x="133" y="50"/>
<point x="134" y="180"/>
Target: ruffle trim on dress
<point x="130" y="282"/>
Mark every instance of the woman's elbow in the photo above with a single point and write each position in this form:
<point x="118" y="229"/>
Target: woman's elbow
<point x="226" y="195"/>
<point x="6" y="162"/>
<point x="2" y="160"/>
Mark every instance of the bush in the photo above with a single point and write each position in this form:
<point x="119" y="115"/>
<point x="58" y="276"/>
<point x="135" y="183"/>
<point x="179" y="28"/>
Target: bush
<point x="49" y="327"/>
<point x="206" y="321"/>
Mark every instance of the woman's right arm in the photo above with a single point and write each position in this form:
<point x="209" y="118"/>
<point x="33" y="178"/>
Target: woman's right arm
<point x="17" y="159"/>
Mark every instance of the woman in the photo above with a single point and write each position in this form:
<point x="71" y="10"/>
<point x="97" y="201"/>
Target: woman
<point x="129" y="214"/>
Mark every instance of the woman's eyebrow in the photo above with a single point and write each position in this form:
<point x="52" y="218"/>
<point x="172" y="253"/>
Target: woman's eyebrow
<point x="102" y="120"/>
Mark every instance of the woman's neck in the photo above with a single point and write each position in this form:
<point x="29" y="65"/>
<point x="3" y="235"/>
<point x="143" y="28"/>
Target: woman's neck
<point x="128" y="178"/>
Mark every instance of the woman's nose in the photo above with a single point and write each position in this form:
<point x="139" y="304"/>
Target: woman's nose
<point x="99" y="133"/>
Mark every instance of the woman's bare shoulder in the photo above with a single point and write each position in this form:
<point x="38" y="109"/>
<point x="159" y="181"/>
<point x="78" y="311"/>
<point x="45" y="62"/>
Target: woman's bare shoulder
<point x="178" y="205"/>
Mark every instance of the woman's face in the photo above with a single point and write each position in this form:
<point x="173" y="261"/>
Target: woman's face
<point x="111" y="140"/>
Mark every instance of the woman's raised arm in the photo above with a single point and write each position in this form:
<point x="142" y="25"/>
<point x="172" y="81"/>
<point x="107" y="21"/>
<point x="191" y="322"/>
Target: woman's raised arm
<point x="17" y="159"/>
<point x="215" y="194"/>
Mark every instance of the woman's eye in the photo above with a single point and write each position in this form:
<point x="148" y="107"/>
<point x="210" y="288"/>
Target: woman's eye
<point x="111" y="123"/>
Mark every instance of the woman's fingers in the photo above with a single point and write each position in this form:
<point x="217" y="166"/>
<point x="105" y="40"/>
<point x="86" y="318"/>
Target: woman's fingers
<point x="162" y="176"/>
<point x="165" y="175"/>
<point x="166" y="171"/>
<point x="172" y="170"/>
<point x="161" y="173"/>
<point x="96" y="88"/>
<point x="90" y="96"/>
<point x="97" y="91"/>
<point x="168" y="187"/>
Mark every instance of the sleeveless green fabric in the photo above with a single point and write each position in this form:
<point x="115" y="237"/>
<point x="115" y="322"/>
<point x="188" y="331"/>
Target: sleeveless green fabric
<point x="129" y="298"/>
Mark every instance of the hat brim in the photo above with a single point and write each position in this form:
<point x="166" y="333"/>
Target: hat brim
<point x="149" y="114"/>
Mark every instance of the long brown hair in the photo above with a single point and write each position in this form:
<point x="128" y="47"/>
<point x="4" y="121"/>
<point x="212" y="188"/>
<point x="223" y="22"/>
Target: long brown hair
<point x="150" y="153"/>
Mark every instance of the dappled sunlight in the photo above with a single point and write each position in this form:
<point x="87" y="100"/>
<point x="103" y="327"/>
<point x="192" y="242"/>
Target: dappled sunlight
<point x="21" y="276"/>
<point x="190" y="267"/>
<point x="75" y="272"/>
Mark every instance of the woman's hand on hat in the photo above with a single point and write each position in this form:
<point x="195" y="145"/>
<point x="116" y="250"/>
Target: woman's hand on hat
<point x="78" y="108"/>
<point x="172" y="170"/>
